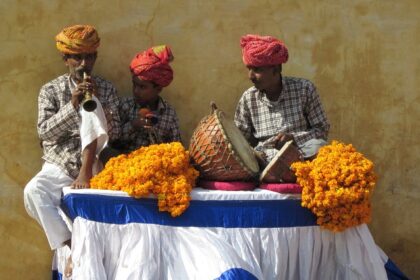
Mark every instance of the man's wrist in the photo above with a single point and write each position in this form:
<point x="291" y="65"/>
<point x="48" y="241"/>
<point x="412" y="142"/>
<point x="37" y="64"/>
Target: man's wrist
<point x="76" y="104"/>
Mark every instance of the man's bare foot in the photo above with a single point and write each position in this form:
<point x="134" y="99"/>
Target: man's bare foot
<point x="68" y="269"/>
<point x="80" y="184"/>
<point x="82" y="181"/>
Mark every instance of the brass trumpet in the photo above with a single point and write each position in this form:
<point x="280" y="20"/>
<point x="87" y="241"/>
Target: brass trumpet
<point x="88" y="103"/>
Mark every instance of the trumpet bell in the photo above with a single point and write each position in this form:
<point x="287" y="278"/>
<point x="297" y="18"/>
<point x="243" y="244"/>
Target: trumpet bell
<point x="89" y="105"/>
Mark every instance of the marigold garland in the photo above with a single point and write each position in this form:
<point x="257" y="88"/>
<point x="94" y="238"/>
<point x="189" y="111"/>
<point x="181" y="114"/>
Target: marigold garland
<point x="163" y="170"/>
<point x="337" y="186"/>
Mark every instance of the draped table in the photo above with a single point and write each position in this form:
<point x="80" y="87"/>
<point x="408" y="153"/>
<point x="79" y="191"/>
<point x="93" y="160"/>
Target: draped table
<point x="223" y="235"/>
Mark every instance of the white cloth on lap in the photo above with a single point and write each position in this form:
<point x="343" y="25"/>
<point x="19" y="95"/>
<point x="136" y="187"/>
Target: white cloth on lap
<point x="94" y="126"/>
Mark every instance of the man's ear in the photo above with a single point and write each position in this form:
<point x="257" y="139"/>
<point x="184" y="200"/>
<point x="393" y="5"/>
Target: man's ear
<point x="274" y="69"/>
<point x="64" y="57"/>
<point x="277" y="69"/>
<point x="157" y="87"/>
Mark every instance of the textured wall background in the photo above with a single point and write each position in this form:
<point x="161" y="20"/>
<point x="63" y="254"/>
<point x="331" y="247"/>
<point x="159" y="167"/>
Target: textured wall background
<point x="362" y="55"/>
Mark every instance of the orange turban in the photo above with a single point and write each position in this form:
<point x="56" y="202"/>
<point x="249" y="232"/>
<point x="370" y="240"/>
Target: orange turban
<point x="77" y="39"/>
<point x="263" y="51"/>
<point x="153" y="65"/>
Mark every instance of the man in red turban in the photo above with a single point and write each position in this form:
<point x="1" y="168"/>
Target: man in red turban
<point x="263" y="51"/>
<point x="146" y="117"/>
<point x="153" y="65"/>
<point x="278" y="108"/>
<point x="68" y="159"/>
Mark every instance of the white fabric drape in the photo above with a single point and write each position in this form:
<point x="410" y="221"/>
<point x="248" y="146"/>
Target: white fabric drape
<point x="144" y="251"/>
<point x="155" y="251"/>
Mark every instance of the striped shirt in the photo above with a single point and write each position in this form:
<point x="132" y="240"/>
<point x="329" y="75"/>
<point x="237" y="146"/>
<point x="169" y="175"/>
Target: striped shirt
<point x="59" y="122"/>
<point x="167" y="126"/>
<point x="298" y="111"/>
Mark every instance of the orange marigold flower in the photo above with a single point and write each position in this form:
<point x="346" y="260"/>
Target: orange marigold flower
<point x="337" y="186"/>
<point x="163" y="170"/>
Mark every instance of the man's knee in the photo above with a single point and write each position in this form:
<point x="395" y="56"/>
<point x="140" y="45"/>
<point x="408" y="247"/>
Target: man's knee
<point x="29" y="189"/>
<point x="32" y="191"/>
<point x="28" y="195"/>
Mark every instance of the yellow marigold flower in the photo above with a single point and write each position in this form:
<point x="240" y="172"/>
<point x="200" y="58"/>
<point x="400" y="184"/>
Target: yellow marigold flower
<point x="337" y="186"/>
<point x="162" y="170"/>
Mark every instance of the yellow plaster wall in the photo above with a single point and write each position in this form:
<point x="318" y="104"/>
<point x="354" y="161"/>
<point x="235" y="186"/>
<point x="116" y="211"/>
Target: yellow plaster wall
<point x="362" y="55"/>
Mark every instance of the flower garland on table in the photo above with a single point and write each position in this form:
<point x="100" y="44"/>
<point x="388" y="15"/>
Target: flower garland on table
<point x="163" y="170"/>
<point x="337" y="186"/>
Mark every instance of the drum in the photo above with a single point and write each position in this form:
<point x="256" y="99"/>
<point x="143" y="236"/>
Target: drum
<point x="219" y="150"/>
<point x="278" y="170"/>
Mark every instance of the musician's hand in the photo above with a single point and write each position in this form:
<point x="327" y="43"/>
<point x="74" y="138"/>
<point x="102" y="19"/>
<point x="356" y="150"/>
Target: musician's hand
<point x="79" y="92"/>
<point x="140" y="123"/>
<point x="281" y="139"/>
<point x="89" y="84"/>
<point x="77" y="96"/>
<point x="92" y="86"/>
<point x="261" y="158"/>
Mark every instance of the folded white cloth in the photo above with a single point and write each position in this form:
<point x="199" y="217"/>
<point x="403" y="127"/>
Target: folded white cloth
<point x="311" y="147"/>
<point x="94" y="126"/>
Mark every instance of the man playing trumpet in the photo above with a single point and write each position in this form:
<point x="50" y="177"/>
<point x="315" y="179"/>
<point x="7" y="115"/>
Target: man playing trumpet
<point x="68" y="160"/>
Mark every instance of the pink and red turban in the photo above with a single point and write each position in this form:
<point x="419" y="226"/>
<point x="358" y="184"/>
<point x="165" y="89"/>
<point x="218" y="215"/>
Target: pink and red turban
<point x="153" y="65"/>
<point x="263" y="51"/>
<point x="77" y="39"/>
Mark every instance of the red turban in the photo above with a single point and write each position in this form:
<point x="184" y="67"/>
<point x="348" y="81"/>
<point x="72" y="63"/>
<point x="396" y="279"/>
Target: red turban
<point x="263" y="51"/>
<point x="77" y="39"/>
<point x="153" y="65"/>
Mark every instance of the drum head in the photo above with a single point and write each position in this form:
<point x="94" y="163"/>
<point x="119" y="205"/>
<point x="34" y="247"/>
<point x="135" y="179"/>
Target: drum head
<point x="240" y="146"/>
<point x="278" y="170"/>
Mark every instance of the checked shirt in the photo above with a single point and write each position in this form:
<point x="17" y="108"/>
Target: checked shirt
<point x="59" y="122"/>
<point x="167" y="126"/>
<point x="298" y="111"/>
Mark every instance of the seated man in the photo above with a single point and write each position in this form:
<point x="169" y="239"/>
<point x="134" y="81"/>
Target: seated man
<point x="146" y="118"/>
<point x="278" y="108"/>
<point x="60" y="119"/>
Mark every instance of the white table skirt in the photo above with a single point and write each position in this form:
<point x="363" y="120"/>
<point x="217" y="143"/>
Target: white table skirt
<point x="222" y="235"/>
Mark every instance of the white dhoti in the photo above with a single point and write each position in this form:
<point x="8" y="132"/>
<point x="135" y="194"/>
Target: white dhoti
<point x="42" y="195"/>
